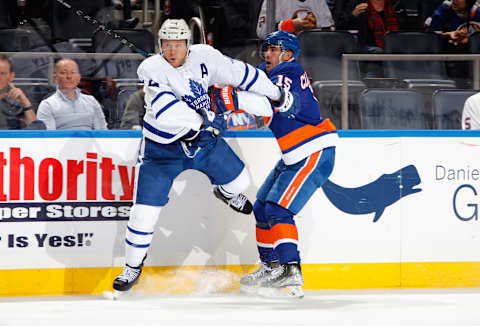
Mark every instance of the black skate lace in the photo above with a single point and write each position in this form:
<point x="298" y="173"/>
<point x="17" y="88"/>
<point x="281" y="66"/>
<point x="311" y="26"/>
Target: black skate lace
<point x="238" y="201"/>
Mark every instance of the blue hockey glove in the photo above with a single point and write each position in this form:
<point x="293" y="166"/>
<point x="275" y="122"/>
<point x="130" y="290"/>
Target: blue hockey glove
<point x="289" y="105"/>
<point x="215" y="123"/>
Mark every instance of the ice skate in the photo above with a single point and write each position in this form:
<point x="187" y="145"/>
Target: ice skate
<point x="128" y="278"/>
<point x="238" y="203"/>
<point x="249" y="283"/>
<point x="288" y="277"/>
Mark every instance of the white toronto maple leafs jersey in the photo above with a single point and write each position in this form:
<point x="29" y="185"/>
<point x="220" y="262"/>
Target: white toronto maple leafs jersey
<point x="167" y="89"/>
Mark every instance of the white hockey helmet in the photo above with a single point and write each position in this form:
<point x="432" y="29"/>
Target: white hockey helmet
<point x="174" y="29"/>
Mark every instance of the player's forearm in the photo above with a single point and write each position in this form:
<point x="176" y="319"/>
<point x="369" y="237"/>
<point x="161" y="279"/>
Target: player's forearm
<point x="264" y="86"/>
<point x="254" y="104"/>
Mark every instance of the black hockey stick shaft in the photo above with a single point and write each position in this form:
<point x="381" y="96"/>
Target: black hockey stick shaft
<point x="104" y="28"/>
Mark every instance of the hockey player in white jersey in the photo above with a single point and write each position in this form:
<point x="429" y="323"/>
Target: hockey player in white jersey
<point x="180" y="131"/>
<point x="471" y="113"/>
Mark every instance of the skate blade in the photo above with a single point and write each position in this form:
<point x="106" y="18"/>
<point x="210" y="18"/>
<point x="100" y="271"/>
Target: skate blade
<point x="282" y="293"/>
<point x="114" y="295"/>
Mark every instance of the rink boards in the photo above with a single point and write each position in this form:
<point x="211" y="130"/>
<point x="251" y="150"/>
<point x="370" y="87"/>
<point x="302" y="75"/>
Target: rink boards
<point x="400" y="210"/>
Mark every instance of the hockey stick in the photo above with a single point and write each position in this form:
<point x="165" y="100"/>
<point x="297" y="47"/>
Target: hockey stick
<point x="104" y="28"/>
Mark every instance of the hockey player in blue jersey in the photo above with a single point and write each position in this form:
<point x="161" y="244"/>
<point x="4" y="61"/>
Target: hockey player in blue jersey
<point x="180" y="131"/>
<point x="307" y="142"/>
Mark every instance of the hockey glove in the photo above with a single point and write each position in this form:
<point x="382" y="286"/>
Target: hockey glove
<point x="215" y="123"/>
<point x="225" y="99"/>
<point x="289" y="105"/>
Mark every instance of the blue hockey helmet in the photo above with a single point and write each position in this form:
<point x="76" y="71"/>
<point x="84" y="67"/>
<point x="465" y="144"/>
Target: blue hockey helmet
<point x="286" y="40"/>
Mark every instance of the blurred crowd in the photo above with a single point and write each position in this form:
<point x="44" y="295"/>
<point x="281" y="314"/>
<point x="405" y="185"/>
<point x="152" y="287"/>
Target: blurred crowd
<point x="236" y="28"/>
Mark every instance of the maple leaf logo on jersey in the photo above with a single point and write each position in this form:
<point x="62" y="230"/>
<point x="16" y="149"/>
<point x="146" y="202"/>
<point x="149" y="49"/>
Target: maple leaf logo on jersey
<point x="200" y="99"/>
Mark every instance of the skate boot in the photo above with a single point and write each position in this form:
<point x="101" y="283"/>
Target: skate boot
<point x="239" y="203"/>
<point x="128" y="278"/>
<point x="249" y="282"/>
<point x="288" y="276"/>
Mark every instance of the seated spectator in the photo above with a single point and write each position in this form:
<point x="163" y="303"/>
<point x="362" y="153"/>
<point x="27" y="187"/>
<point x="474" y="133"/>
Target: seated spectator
<point x="456" y="19"/>
<point x="296" y="16"/>
<point x="346" y="13"/>
<point x="452" y="18"/>
<point x="471" y="113"/>
<point x="373" y="19"/>
<point x="132" y="117"/>
<point x="16" y="111"/>
<point x="68" y="108"/>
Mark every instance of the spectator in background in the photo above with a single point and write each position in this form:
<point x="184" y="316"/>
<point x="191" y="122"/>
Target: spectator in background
<point x="452" y="18"/>
<point x="132" y="117"/>
<point x="347" y="14"/>
<point x="16" y="111"/>
<point x="373" y="19"/>
<point x="471" y="113"/>
<point x="296" y="16"/>
<point x="68" y="108"/>
<point x="456" y="20"/>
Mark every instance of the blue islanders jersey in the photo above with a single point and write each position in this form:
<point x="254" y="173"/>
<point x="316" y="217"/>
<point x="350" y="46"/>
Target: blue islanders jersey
<point x="308" y="132"/>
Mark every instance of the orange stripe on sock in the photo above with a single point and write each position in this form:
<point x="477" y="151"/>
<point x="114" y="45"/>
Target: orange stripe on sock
<point x="298" y="180"/>
<point x="264" y="236"/>
<point x="284" y="231"/>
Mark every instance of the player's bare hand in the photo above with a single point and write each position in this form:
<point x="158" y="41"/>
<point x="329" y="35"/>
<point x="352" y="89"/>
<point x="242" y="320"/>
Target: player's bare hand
<point x="360" y="9"/>
<point x="17" y="95"/>
<point x="302" y="24"/>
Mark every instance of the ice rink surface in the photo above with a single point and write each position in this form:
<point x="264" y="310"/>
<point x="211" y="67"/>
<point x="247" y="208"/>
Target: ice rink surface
<point x="458" y="307"/>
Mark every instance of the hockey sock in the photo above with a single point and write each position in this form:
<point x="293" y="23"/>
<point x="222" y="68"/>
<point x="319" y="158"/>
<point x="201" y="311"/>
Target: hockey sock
<point x="284" y="234"/>
<point x="139" y="232"/>
<point x="225" y="193"/>
<point x="263" y="234"/>
<point x="237" y="185"/>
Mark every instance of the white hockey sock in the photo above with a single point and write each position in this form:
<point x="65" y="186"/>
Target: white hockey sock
<point x="139" y="232"/>
<point x="225" y="193"/>
<point x="237" y="185"/>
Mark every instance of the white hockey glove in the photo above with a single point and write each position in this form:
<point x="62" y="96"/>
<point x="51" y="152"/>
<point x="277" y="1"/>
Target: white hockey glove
<point x="289" y="105"/>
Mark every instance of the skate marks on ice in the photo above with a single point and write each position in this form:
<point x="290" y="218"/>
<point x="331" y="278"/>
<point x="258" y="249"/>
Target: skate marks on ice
<point x="373" y="308"/>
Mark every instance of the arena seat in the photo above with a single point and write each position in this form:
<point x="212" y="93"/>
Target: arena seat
<point x="474" y="43"/>
<point x="6" y="19"/>
<point x="423" y="76"/>
<point x="413" y="14"/>
<point x="321" y="54"/>
<point x="428" y="7"/>
<point x="329" y="97"/>
<point x="321" y="57"/>
<point x="123" y="68"/>
<point x="448" y="107"/>
<point x="15" y="40"/>
<point x="391" y="109"/>
<point x="66" y="24"/>
<point x="415" y="72"/>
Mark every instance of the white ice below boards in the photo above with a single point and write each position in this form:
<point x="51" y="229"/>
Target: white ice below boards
<point x="442" y="307"/>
